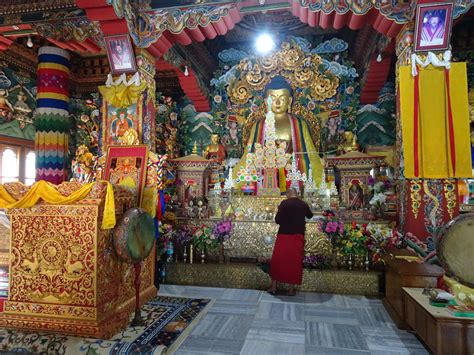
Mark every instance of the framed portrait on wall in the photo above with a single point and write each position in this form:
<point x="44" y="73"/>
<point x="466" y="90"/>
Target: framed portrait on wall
<point x="120" y="54"/>
<point x="433" y="26"/>
<point x="126" y="166"/>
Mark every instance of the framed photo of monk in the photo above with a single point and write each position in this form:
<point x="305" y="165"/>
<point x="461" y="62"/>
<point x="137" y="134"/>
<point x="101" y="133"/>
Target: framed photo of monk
<point x="120" y="54"/>
<point x="126" y="167"/>
<point x="433" y="26"/>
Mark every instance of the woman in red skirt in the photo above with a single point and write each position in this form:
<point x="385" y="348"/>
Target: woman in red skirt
<point x="286" y="265"/>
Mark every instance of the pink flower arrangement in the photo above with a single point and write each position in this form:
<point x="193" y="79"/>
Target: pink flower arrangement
<point x="222" y="229"/>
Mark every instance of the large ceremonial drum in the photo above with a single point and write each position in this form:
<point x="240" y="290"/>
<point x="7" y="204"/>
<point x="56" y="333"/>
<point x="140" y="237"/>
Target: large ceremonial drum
<point x="455" y="248"/>
<point x="134" y="236"/>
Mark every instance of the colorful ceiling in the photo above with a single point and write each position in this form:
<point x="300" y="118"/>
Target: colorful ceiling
<point x="80" y="25"/>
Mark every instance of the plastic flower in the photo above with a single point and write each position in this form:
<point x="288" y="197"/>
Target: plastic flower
<point x="173" y="116"/>
<point x="218" y="99"/>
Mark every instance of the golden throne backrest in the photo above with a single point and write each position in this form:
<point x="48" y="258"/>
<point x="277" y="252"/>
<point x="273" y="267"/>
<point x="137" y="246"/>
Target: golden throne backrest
<point x="302" y="70"/>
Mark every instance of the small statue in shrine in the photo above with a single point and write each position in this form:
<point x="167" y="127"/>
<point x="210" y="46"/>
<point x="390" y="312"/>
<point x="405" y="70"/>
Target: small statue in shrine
<point x="215" y="151"/>
<point x="349" y="144"/>
<point x="6" y="107"/>
<point x="171" y="141"/>
<point x="84" y="165"/>
<point x="21" y="106"/>
<point x="130" y="137"/>
<point x="356" y="196"/>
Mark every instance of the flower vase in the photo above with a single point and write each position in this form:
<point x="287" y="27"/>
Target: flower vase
<point x="350" y="262"/>
<point x="221" y="253"/>
<point x="334" y="258"/>
<point x="367" y="262"/>
<point x="203" y="257"/>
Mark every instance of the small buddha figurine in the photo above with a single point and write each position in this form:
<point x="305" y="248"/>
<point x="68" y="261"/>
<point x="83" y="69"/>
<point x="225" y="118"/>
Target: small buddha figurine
<point x="215" y="151"/>
<point x="130" y="137"/>
<point x="21" y="106"/>
<point x="347" y="145"/>
<point x="356" y="196"/>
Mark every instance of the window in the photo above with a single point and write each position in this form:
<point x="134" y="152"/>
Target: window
<point x="17" y="161"/>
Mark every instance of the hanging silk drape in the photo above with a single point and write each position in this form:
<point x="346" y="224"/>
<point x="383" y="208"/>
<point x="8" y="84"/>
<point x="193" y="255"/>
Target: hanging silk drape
<point x="435" y="122"/>
<point x="48" y="193"/>
<point x="52" y="114"/>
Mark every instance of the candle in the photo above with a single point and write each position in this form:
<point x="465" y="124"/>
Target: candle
<point x="191" y="254"/>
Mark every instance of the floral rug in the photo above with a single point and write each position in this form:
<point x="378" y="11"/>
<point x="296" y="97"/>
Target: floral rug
<point x="168" y="321"/>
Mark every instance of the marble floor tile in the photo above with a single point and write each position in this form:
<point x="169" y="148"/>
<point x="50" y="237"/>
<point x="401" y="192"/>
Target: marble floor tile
<point x="232" y="307"/>
<point x="173" y="290"/>
<point x="242" y="295"/>
<point x="373" y="317"/>
<point x="271" y="330"/>
<point x="209" y="345"/>
<point x="334" y="351"/>
<point x="333" y="315"/>
<point x="208" y="292"/>
<point x="335" y="336"/>
<point x="280" y="311"/>
<point x="325" y="299"/>
<point x="362" y="301"/>
<point x="221" y="326"/>
<point x="298" y="298"/>
<point x="392" y="340"/>
<point x="255" y="322"/>
<point x="260" y="347"/>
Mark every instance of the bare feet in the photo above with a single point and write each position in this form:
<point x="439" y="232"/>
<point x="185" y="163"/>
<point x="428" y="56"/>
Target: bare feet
<point x="273" y="288"/>
<point x="291" y="291"/>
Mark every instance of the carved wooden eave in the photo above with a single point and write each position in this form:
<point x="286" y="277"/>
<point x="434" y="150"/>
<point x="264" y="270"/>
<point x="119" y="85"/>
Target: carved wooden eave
<point x="12" y="7"/>
<point x="191" y="162"/>
<point x="21" y="57"/>
<point x="355" y="160"/>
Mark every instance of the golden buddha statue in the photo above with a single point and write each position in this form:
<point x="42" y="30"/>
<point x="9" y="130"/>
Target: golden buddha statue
<point x="215" y="151"/>
<point x="289" y="129"/>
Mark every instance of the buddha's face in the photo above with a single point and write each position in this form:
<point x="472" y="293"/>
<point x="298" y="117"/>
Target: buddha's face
<point x="215" y="139"/>
<point x="281" y="100"/>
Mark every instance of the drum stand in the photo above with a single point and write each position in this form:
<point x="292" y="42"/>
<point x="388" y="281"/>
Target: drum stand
<point x="137" y="320"/>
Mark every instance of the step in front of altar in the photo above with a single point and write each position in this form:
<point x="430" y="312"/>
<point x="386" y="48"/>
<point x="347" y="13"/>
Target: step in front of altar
<point x="250" y="276"/>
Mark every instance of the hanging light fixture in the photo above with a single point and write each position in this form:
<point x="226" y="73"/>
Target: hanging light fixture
<point x="379" y="58"/>
<point x="29" y="42"/>
<point x="186" y="71"/>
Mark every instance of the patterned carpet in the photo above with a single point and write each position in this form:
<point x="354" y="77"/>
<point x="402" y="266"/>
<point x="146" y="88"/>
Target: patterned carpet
<point x="168" y="322"/>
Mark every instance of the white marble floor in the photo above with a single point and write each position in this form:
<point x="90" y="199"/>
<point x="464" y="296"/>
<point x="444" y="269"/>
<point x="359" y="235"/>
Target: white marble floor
<point x="254" y="322"/>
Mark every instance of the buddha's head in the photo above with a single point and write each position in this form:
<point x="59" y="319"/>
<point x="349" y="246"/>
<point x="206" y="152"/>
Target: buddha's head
<point x="214" y="138"/>
<point x="281" y="93"/>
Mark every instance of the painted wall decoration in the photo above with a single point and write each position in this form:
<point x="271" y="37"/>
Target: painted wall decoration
<point x="376" y="123"/>
<point x="335" y="115"/>
<point x="17" y="102"/>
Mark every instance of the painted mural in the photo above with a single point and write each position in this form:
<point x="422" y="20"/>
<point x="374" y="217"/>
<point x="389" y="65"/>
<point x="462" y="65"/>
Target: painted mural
<point x="17" y="103"/>
<point x="227" y="119"/>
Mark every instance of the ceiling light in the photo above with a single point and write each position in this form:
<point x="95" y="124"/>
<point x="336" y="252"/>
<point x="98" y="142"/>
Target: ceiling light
<point x="264" y="43"/>
<point x="379" y="58"/>
<point x="186" y="71"/>
<point x="29" y="42"/>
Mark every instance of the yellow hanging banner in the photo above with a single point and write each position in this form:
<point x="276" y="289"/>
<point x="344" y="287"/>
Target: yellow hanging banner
<point x="430" y="149"/>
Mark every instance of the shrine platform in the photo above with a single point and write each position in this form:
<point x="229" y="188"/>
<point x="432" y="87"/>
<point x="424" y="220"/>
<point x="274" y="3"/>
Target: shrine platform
<point x="250" y="276"/>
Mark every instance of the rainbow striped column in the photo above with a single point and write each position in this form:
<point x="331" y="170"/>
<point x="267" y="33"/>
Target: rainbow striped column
<point x="52" y="114"/>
